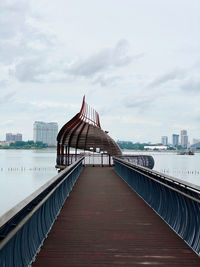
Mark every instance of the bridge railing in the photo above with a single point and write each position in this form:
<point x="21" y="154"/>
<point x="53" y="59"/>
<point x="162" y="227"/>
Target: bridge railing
<point x="90" y="159"/>
<point x="66" y="160"/>
<point x="24" y="228"/>
<point x="141" y="160"/>
<point x="175" y="201"/>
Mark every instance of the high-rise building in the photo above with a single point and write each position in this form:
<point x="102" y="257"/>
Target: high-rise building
<point x="184" y="139"/>
<point x="195" y="141"/>
<point x="175" y="139"/>
<point x="13" y="137"/>
<point x="9" y="137"/>
<point x="45" y="132"/>
<point x="164" y="140"/>
<point x="183" y="132"/>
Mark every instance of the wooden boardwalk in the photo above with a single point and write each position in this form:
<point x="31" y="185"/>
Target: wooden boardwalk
<point x="104" y="223"/>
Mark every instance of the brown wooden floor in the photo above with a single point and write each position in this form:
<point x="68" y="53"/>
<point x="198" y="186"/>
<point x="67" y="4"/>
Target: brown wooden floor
<point x="104" y="223"/>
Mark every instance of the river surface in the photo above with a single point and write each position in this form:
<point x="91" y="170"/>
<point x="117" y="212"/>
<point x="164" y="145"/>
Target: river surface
<point x="24" y="171"/>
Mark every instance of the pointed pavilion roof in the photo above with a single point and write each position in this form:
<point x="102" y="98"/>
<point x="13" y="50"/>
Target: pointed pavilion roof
<point x="84" y="132"/>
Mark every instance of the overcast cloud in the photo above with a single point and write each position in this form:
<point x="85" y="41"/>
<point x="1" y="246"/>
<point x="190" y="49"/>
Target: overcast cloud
<point x="103" y="60"/>
<point x="136" y="61"/>
<point x="192" y="86"/>
<point x="168" y="77"/>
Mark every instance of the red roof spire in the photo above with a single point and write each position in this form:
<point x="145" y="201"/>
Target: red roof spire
<point x="88" y="114"/>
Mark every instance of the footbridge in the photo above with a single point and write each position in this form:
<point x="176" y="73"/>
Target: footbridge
<point x="115" y="212"/>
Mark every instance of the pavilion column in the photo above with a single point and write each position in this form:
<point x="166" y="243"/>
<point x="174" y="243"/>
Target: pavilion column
<point x="101" y="159"/>
<point x="58" y="154"/>
<point x="68" y="155"/>
<point x="62" y="154"/>
<point x="65" y="155"/>
<point x="76" y="154"/>
<point x="109" y="158"/>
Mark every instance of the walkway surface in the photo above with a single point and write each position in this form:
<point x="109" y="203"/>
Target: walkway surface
<point x="104" y="223"/>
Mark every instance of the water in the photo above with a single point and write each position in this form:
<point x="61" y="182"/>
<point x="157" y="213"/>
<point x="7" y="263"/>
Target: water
<point x="184" y="167"/>
<point x="22" y="172"/>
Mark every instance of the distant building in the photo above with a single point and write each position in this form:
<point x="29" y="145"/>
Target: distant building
<point x="175" y="139"/>
<point x="164" y="140"/>
<point x="45" y="132"/>
<point x="195" y="141"/>
<point x="13" y="137"/>
<point x="183" y="132"/>
<point x="196" y="145"/>
<point x="5" y="143"/>
<point x="184" y="139"/>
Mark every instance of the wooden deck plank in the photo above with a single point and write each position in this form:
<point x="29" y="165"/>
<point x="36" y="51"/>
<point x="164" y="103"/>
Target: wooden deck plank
<point x="104" y="223"/>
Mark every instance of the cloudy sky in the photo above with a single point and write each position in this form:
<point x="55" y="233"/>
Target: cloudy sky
<point x="137" y="62"/>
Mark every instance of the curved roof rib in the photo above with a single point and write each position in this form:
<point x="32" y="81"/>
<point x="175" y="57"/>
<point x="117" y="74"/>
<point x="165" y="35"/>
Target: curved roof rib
<point x="84" y="132"/>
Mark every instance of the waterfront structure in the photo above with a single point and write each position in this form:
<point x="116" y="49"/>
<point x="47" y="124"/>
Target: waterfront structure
<point x="175" y="139"/>
<point x="45" y="132"/>
<point x="164" y="140"/>
<point x="13" y="137"/>
<point x="184" y="139"/>
<point x="94" y="204"/>
<point x="84" y="132"/>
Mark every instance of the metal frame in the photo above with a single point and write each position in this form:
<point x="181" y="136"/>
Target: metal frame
<point x="83" y="132"/>
<point x="141" y="160"/>
<point x="175" y="201"/>
<point x="23" y="230"/>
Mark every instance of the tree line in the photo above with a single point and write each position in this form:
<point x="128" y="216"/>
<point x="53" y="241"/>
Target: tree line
<point x="25" y="145"/>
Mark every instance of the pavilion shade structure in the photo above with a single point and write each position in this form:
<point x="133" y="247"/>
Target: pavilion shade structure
<point x="84" y="132"/>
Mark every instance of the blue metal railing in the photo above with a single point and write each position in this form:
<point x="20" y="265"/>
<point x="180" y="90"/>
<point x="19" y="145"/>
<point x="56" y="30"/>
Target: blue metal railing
<point x="23" y="231"/>
<point x="141" y="160"/>
<point x="175" y="201"/>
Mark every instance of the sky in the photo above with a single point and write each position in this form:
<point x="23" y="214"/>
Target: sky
<point x="136" y="61"/>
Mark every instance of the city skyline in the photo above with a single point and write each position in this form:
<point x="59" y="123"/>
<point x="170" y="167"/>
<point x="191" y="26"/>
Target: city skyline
<point x="138" y="68"/>
<point x="164" y="140"/>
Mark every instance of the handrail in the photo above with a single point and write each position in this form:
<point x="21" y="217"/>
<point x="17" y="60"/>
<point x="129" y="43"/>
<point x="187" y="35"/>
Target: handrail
<point x="139" y="159"/>
<point x="190" y="186"/>
<point x="175" y="201"/>
<point x="23" y="231"/>
<point x="10" y="235"/>
<point x="13" y="211"/>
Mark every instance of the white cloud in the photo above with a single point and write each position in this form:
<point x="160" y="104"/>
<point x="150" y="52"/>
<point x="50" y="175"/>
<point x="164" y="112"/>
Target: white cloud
<point x="176" y="74"/>
<point x="128" y="119"/>
<point x="102" y="61"/>
<point x="134" y="64"/>
<point x="192" y="85"/>
<point x="6" y="98"/>
<point x="48" y="104"/>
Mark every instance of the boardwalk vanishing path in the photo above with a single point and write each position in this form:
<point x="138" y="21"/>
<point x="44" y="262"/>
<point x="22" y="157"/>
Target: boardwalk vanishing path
<point x="104" y="223"/>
